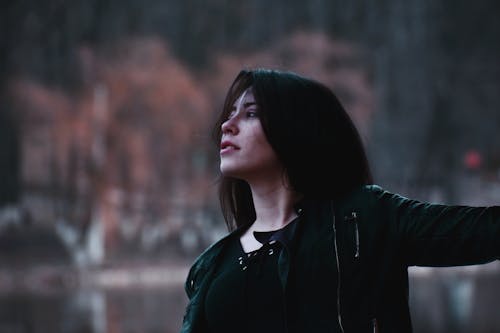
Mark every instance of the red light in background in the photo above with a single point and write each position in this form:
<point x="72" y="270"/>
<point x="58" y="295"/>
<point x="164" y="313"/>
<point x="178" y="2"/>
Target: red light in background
<point x="472" y="160"/>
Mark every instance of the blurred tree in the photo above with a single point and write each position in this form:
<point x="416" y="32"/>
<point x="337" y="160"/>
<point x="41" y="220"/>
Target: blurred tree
<point x="9" y="156"/>
<point x="430" y="66"/>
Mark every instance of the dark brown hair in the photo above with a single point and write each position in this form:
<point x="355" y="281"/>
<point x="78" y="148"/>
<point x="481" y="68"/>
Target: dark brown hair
<point x="310" y="132"/>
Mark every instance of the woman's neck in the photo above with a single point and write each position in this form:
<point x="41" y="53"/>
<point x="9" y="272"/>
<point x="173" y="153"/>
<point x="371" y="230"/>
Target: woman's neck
<point x="274" y="205"/>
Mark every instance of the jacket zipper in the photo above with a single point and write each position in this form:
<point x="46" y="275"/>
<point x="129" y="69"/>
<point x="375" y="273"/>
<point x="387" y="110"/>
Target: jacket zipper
<point x="354" y="219"/>
<point x="375" y="325"/>
<point x="339" y="316"/>
<point x="356" y="255"/>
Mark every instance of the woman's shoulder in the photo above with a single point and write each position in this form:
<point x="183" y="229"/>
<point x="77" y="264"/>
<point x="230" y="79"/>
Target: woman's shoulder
<point x="206" y="258"/>
<point x="211" y="252"/>
<point x="369" y="197"/>
<point x="375" y="192"/>
<point x="204" y="261"/>
<point x="365" y="192"/>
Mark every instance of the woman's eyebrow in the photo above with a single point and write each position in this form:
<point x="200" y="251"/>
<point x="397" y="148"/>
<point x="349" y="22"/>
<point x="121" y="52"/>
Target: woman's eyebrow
<point x="245" y="105"/>
<point x="248" y="104"/>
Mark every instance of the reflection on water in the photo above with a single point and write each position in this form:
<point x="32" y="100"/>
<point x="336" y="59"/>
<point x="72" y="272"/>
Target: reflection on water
<point x="456" y="299"/>
<point x="93" y="311"/>
<point x="441" y="301"/>
<point x="140" y="299"/>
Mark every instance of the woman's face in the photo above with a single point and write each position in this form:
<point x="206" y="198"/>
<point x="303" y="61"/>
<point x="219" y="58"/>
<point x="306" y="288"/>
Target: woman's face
<point x="245" y="152"/>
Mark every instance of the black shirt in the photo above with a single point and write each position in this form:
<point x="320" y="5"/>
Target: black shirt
<point x="246" y="294"/>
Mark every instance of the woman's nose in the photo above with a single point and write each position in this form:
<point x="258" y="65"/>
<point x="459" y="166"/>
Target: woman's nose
<point x="229" y="127"/>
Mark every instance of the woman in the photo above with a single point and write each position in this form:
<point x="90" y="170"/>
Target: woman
<point x="314" y="247"/>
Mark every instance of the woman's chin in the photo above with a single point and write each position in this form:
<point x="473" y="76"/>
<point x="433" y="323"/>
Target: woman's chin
<point x="228" y="171"/>
<point x="233" y="172"/>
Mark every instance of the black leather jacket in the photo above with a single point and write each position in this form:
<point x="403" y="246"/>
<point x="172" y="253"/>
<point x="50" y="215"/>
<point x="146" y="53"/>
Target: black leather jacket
<point x="371" y="236"/>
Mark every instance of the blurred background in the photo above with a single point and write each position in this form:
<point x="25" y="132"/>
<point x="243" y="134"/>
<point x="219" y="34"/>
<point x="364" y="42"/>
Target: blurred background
<point x="108" y="171"/>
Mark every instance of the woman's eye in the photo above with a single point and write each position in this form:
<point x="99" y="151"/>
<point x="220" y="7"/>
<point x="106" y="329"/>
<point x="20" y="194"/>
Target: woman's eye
<point x="252" y="114"/>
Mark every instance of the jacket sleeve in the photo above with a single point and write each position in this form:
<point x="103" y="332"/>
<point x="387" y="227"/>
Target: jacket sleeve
<point x="442" y="235"/>
<point x="192" y="313"/>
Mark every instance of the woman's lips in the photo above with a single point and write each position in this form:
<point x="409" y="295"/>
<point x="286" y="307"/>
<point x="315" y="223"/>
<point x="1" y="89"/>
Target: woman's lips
<point x="227" y="146"/>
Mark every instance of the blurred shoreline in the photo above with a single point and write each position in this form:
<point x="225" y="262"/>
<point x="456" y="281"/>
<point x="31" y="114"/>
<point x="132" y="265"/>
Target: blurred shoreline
<point x="46" y="278"/>
<point x="60" y="278"/>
